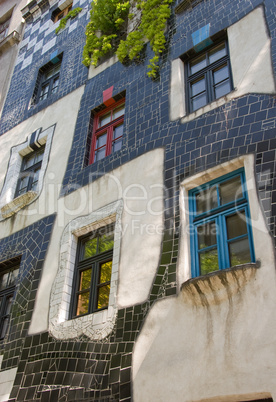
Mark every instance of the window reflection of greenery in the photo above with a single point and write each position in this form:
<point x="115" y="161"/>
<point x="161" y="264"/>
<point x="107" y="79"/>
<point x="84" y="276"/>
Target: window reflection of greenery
<point x="96" y="245"/>
<point x="237" y="239"/>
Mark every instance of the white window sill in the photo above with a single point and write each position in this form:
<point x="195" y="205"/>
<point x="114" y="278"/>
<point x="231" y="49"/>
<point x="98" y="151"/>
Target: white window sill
<point x="18" y="203"/>
<point x="218" y="286"/>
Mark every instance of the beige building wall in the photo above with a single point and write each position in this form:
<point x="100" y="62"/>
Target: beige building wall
<point x="11" y="29"/>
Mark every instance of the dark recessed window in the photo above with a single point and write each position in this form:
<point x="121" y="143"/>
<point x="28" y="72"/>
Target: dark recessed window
<point x="221" y="235"/>
<point x="30" y="169"/>
<point x="108" y="128"/>
<point x="208" y="76"/>
<point x="7" y="287"/>
<point x="47" y="83"/>
<point x="93" y="272"/>
<point x="58" y="14"/>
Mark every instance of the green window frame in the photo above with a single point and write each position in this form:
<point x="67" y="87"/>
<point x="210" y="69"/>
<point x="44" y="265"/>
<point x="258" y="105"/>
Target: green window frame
<point x="221" y="234"/>
<point x="93" y="272"/>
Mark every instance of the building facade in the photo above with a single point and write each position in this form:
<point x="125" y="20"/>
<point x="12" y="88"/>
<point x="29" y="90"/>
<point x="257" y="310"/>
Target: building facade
<point x="11" y="30"/>
<point x="137" y="227"/>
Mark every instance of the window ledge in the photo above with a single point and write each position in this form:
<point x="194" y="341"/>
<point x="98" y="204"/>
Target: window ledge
<point x="18" y="203"/>
<point x="10" y="40"/>
<point x="218" y="286"/>
<point x="210" y="106"/>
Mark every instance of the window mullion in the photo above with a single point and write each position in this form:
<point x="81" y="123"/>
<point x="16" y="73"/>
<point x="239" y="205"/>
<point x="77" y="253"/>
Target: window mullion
<point x="109" y="140"/>
<point x="223" y="243"/>
<point x="93" y="288"/>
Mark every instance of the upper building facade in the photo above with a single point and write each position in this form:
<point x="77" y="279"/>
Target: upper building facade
<point x="137" y="226"/>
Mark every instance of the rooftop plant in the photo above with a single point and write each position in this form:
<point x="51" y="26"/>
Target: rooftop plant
<point x="107" y="30"/>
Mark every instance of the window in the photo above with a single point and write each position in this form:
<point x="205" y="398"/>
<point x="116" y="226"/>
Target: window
<point x="221" y="233"/>
<point x="47" y="82"/>
<point x="93" y="272"/>
<point x="7" y="287"/>
<point x="30" y="170"/>
<point x="108" y="129"/>
<point x="50" y="82"/>
<point x="4" y="28"/>
<point x="208" y="76"/>
<point x="59" y="14"/>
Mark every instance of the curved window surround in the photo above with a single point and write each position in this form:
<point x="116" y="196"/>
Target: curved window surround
<point x="37" y="140"/>
<point x="96" y="323"/>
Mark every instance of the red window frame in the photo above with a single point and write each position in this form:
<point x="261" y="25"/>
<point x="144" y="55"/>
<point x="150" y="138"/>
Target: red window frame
<point x="107" y="128"/>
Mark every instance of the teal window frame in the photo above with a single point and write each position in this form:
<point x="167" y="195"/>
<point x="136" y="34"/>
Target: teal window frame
<point x="219" y="215"/>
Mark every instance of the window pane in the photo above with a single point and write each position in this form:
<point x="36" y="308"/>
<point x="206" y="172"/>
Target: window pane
<point x="23" y="184"/>
<point x="13" y="276"/>
<point x="199" y="101"/>
<point x="85" y="279"/>
<point x="222" y="89"/>
<point x="4" y="328"/>
<point x="239" y="252"/>
<point x="198" y="86"/>
<point x="217" y="53"/>
<point x="90" y="248"/>
<point x="101" y="140"/>
<point x="55" y="85"/>
<point x="236" y="225"/>
<point x="206" y="200"/>
<point x="118" y="131"/>
<point x="117" y="145"/>
<point x="100" y="154"/>
<point x="106" y="118"/>
<point x="198" y="64"/>
<point x="103" y="296"/>
<point x="8" y="305"/>
<point x="230" y="190"/>
<point x="119" y="111"/>
<point x="220" y="74"/>
<point x="105" y="274"/>
<point x="38" y="156"/>
<point x="4" y="280"/>
<point x="83" y="304"/>
<point x="208" y="261"/>
<point x="44" y="92"/>
<point x="106" y="242"/>
<point x="207" y="235"/>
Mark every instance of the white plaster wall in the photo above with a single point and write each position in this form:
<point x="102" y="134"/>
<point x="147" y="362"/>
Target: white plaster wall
<point x="64" y="114"/>
<point x="220" y="345"/>
<point x="251" y="64"/>
<point x="7" y="378"/>
<point x="139" y="184"/>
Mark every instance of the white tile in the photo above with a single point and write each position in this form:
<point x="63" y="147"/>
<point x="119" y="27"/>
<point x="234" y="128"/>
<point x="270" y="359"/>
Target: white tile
<point x="49" y="45"/>
<point x="27" y="62"/>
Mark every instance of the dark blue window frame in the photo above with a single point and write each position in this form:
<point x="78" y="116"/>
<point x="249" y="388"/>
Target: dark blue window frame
<point x="219" y="215"/>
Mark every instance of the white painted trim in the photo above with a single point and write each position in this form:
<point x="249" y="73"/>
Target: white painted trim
<point x="17" y="153"/>
<point x="99" y="324"/>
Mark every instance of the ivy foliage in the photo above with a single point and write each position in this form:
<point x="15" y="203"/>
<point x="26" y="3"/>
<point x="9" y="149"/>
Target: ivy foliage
<point x="107" y="30"/>
<point x="72" y="14"/>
